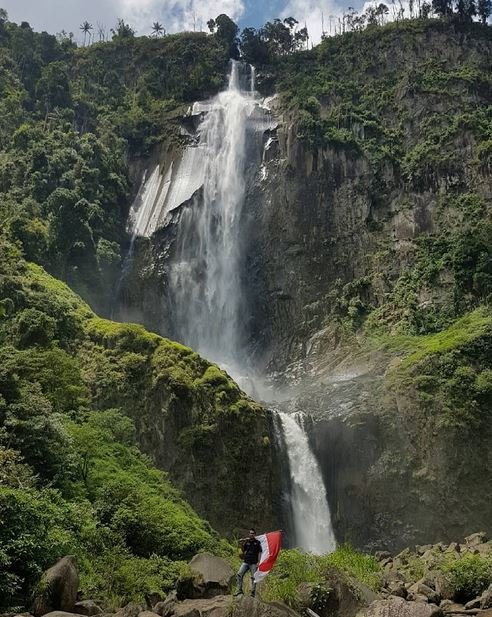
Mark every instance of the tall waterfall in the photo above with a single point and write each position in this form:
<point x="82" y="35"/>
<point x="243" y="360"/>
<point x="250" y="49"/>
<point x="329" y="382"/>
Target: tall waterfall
<point x="205" y="272"/>
<point x="311" y="514"/>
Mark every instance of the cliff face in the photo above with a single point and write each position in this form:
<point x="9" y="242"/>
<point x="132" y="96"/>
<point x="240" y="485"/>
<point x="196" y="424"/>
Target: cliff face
<point x="367" y="235"/>
<point x="365" y="184"/>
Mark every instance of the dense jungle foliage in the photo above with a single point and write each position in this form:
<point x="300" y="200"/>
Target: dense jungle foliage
<point x="72" y="480"/>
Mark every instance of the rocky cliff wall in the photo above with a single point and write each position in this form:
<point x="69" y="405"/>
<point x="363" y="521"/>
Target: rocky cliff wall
<point x="367" y="234"/>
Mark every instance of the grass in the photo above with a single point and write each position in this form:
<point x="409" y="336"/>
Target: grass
<point x="294" y="569"/>
<point x="468" y="328"/>
<point x="363" y="568"/>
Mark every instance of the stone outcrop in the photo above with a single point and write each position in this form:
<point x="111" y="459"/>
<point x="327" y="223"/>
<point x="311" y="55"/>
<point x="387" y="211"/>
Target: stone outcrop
<point x="211" y="576"/>
<point x="224" y="606"/>
<point x="338" y="595"/>
<point x="57" y="589"/>
<point x="398" y="607"/>
<point x="89" y="608"/>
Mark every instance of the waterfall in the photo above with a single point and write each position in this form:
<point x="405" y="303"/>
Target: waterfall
<point x="205" y="271"/>
<point x="309" y="505"/>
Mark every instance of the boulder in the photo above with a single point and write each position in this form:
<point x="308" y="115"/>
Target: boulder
<point x="397" y="607"/>
<point x="61" y="614"/>
<point x="453" y="607"/>
<point x="416" y="597"/>
<point x="486" y="599"/>
<point x="475" y="603"/>
<point x="57" y="589"/>
<point x="211" y="576"/>
<point x="443" y="587"/>
<point x="454" y="547"/>
<point x="397" y="588"/>
<point x="339" y="595"/>
<point x="475" y="539"/>
<point x="89" y="608"/>
<point x="422" y="588"/>
<point x="130" y="610"/>
<point x="382" y="555"/>
<point x="166" y="607"/>
<point x="224" y="606"/>
<point x="147" y="614"/>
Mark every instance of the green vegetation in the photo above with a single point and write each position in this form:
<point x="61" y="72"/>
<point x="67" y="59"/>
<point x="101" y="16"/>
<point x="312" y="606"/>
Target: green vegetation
<point x="72" y="479"/>
<point x="294" y="569"/>
<point x="469" y="576"/>
<point x="70" y="120"/>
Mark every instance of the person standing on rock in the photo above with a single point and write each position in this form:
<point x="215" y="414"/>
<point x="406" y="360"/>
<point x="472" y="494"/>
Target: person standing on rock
<point x="251" y="553"/>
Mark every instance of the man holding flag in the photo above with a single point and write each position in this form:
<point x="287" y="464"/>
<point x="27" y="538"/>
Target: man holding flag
<point x="259" y="555"/>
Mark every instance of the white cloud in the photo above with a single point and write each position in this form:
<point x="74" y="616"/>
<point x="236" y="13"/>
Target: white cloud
<point x="175" y="15"/>
<point x="316" y="14"/>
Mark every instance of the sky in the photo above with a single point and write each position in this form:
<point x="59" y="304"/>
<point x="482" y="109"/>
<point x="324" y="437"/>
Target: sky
<point x="176" y="15"/>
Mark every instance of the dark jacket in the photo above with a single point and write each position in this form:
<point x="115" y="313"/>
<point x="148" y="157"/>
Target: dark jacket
<point x="251" y="551"/>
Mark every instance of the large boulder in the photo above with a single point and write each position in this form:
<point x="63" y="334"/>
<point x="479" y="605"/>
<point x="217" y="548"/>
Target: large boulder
<point x="89" y="608"/>
<point x="61" y="614"/>
<point x="166" y="607"/>
<point x="211" y="576"/>
<point x="57" y="589"/>
<point x="224" y="606"/>
<point x="486" y="599"/>
<point x="398" y="607"/>
<point x="338" y="595"/>
<point x="475" y="539"/>
<point x="130" y="610"/>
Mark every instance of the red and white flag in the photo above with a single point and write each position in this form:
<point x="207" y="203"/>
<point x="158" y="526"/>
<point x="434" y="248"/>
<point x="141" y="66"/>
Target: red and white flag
<point x="270" y="548"/>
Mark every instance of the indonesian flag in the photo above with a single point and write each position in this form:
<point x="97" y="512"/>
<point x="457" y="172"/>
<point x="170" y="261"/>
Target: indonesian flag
<point x="270" y="548"/>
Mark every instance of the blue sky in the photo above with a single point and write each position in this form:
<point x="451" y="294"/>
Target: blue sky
<point x="57" y="15"/>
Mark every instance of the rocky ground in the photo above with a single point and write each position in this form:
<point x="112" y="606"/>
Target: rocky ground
<point x="437" y="580"/>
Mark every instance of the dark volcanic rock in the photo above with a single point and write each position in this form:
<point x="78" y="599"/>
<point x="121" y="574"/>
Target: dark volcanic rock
<point x="57" y="589"/>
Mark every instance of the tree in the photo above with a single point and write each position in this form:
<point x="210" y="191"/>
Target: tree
<point x="425" y="10"/>
<point x="158" y="29"/>
<point x="122" y="30"/>
<point x="226" y="31"/>
<point x="254" y="48"/>
<point x="442" y="7"/>
<point x="101" y="31"/>
<point x="86" y="28"/>
<point x="484" y="10"/>
<point x="282" y="37"/>
<point x="381" y="11"/>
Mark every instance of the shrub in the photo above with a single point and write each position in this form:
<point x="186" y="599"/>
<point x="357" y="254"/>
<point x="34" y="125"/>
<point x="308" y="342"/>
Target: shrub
<point x="291" y="570"/>
<point x="364" y="568"/>
<point x="37" y="528"/>
<point x="32" y="327"/>
<point x="469" y="576"/>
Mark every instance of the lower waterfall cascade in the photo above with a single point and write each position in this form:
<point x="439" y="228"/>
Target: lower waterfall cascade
<point x="311" y="516"/>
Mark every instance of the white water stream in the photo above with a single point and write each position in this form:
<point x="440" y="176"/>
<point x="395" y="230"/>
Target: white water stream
<point x="311" y="514"/>
<point x="205" y="273"/>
